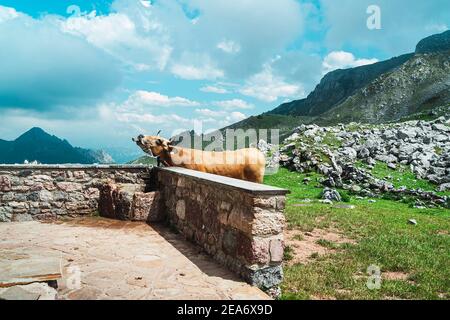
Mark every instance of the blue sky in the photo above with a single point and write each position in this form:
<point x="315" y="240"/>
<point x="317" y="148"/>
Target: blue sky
<point x="100" y="72"/>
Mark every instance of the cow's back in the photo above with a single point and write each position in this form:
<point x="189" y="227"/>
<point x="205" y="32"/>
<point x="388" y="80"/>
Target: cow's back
<point x="246" y="164"/>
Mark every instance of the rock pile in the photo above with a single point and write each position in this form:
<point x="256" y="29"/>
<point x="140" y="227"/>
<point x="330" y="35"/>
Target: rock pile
<point x="346" y="154"/>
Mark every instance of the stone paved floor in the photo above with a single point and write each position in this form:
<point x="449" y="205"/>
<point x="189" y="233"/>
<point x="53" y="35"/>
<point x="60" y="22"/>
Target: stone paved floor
<point x="125" y="260"/>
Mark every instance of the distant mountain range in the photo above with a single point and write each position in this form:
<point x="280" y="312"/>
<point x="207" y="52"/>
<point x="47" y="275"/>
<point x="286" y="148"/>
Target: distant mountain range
<point x="411" y="85"/>
<point x="38" y="145"/>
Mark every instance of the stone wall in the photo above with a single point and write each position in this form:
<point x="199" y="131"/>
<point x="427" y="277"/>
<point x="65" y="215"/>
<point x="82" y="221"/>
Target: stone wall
<point x="30" y="192"/>
<point x="239" y="223"/>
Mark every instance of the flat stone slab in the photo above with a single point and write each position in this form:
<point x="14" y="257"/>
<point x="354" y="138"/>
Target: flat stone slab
<point x="245" y="186"/>
<point x="17" y="293"/>
<point x="24" y="265"/>
<point x="110" y="259"/>
<point x="33" y="291"/>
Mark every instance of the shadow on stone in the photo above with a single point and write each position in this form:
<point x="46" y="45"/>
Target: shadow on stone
<point x="193" y="252"/>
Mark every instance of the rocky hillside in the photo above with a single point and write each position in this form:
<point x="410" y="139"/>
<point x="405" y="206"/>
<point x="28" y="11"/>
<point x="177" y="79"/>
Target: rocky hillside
<point x="411" y="86"/>
<point x="435" y="43"/>
<point x="337" y="86"/>
<point x="410" y="159"/>
<point x="37" y="145"/>
<point x="422" y="83"/>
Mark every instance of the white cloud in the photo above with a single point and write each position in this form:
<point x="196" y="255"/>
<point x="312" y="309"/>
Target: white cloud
<point x="191" y="72"/>
<point x="220" y="118"/>
<point x="43" y="68"/>
<point x="229" y="46"/>
<point x="7" y="13"/>
<point x="214" y="89"/>
<point x="146" y="3"/>
<point x="145" y="108"/>
<point x="230" y="27"/>
<point x="403" y="24"/>
<point x="437" y="27"/>
<point x="143" y="120"/>
<point x="268" y="87"/>
<point x="169" y="119"/>
<point x="209" y="113"/>
<point x="141" y="99"/>
<point x="149" y="35"/>
<point x="139" y="40"/>
<point x="233" y="104"/>
<point x="341" y="60"/>
<point x="237" y="116"/>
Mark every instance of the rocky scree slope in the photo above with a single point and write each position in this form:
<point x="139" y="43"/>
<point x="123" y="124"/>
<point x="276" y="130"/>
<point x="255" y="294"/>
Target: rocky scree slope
<point x="346" y="154"/>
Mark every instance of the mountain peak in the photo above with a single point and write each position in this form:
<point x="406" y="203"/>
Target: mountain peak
<point x="35" y="131"/>
<point x="435" y="43"/>
<point x="37" y="135"/>
<point x="36" y="144"/>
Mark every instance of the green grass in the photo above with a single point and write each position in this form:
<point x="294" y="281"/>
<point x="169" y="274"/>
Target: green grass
<point x="383" y="238"/>
<point x="331" y="140"/>
<point x="438" y="150"/>
<point x="426" y="114"/>
<point x="294" y="182"/>
<point x="327" y="244"/>
<point x="288" y="253"/>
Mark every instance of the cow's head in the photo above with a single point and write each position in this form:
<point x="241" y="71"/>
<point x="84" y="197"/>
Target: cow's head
<point x="154" y="145"/>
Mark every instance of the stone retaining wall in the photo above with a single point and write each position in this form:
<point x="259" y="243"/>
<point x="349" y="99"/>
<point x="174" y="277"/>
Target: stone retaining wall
<point x="239" y="223"/>
<point x="30" y="192"/>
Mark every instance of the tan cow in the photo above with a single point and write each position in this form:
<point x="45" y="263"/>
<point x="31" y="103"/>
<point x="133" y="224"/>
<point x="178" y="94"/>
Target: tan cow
<point x="245" y="164"/>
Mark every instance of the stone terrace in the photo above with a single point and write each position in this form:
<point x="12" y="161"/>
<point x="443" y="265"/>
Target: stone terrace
<point x="121" y="260"/>
<point x="52" y="234"/>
